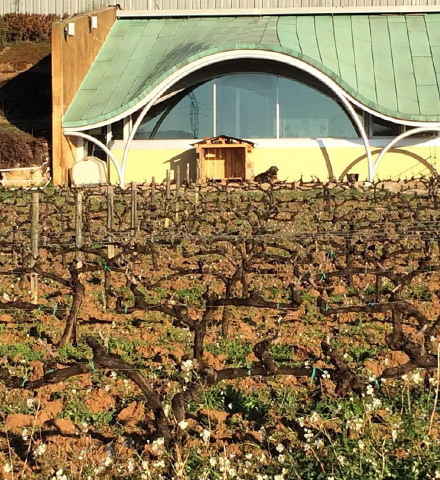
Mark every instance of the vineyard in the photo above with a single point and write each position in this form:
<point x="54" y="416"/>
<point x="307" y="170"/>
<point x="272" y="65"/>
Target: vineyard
<point x="275" y="331"/>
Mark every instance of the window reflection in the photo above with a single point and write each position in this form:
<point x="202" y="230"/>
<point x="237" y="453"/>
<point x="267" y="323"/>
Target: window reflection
<point x="306" y="112"/>
<point x="188" y="114"/>
<point x="247" y="107"/>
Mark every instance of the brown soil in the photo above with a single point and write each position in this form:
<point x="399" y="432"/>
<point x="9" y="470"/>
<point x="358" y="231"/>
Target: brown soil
<point x="25" y="97"/>
<point x="16" y="59"/>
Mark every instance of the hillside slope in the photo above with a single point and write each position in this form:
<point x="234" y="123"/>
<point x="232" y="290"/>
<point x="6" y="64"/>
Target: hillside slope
<point x="25" y="104"/>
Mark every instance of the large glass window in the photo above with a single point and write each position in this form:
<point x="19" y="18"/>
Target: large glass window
<point x="306" y="112"/>
<point x="248" y="105"/>
<point x="188" y="114"/>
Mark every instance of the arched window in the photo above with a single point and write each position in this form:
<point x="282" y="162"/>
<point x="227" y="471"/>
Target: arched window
<point x="247" y="105"/>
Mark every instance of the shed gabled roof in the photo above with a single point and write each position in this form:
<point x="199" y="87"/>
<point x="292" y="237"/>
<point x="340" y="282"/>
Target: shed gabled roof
<point x="389" y="63"/>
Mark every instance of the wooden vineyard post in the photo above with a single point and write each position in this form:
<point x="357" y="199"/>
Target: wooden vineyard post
<point x="110" y="214"/>
<point x="196" y="195"/>
<point x="187" y="174"/>
<point x="110" y="246"/>
<point x="176" y="203"/>
<point x="133" y="210"/>
<point x="168" y="186"/>
<point x="79" y="224"/>
<point x="153" y="190"/>
<point x="167" y="198"/>
<point x="35" y="218"/>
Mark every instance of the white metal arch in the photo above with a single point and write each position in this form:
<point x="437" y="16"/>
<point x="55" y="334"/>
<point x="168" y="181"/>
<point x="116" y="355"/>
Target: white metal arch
<point x="245" y="54"/>
<point x="101" y="145"/>
<point x="393" y="142"/>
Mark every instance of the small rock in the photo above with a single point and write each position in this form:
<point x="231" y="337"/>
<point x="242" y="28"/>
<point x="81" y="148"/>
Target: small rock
<point x="64" y="426"/>
<point x="15" y="422"/>
<point x="100" y="401"/>
<point x="50" y="411"/>
<point x="133" y="414"/>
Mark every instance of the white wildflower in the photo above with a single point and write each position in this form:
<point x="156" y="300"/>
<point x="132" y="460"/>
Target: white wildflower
<point x="7" y="468"/>
<point x="370" y="390"/>
<point x="281" y="458"/>
<point x="183" y="424"/>
<point x="280" y="448"/>
<point x="187" y="365"/>
<point x="232" y="473"/>
<point x="157" y="444"/>
<point x="417" y="378"/>
<point x="205" y="436"/>
<point x="394" y="435"/>
<point x="358" y="424"/>
<point x="319" y="443"/>
<point x="40" y="450"/>
<point x="160" y="464"/>
<point x="314" y="417"/>
<point x="30" y="402"/>
<point x="361" y="445"/>
<point x="130" y="465"/>
<point x="212" y="461"/>
<point x="301" y="421"/>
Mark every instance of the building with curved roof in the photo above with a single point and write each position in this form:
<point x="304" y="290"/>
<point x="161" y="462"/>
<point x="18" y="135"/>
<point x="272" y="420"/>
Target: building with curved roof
<point x="320" y="94"/>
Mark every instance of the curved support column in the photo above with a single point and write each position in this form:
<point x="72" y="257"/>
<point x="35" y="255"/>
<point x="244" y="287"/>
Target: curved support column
<point x="393" y="142"/>
<point x="363" y="134"/>
<point x="130" y="138"/>
<point x="102" y="146"/>
<point x="242" y="54"/>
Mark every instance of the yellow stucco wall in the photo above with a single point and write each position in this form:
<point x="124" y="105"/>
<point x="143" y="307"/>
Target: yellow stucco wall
<point x="293" y="162"/>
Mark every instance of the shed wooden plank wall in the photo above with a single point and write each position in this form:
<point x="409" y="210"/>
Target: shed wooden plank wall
<point x="75" y="6"/>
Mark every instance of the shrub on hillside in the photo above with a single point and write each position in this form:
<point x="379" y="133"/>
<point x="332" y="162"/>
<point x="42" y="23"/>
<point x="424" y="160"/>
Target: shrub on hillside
<point x="16" y="27"/>
<point x="19" y="149"/>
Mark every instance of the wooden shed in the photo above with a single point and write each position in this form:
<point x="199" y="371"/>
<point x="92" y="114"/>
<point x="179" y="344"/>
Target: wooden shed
<point x="224" y="158"/>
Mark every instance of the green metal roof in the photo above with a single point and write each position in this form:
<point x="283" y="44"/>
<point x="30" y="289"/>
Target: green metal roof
<point x="390" y="63"/>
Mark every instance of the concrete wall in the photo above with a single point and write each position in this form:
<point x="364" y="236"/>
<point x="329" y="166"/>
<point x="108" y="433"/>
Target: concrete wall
<point x="72" y="57"/>
<point x="296" y="158"/>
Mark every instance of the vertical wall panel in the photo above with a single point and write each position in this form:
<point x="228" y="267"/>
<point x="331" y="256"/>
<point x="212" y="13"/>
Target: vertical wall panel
<point x="75" y="6"/>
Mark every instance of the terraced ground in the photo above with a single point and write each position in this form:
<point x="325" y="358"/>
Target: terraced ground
<point x="254" y="332"/>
